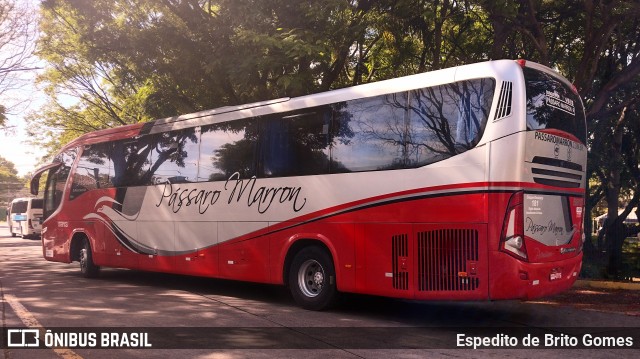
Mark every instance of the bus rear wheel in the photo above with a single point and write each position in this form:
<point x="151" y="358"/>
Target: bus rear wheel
<point x="87" y="267"/>
<point x="312" y="279"/>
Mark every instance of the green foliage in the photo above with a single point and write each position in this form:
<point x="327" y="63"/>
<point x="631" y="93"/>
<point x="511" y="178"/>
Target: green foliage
<point x="116" y="61"/>
<point x="7" y="170"/>
<point x="631" y="259"/>
<point x="9" y="181"/>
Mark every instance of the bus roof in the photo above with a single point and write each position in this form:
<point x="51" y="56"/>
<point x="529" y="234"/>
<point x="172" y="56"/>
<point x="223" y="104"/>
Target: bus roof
<point x="107" y="134"/>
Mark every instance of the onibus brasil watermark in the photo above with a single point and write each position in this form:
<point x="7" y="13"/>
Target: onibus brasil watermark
<point x="36" y="338"/>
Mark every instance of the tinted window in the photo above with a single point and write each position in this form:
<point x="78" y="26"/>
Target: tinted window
<point x="19" y="207"/>
<point x="36" y="203"/>
<point x="56" y="181"/>
<point x="131" y="162"/>
<point x="174" y="157"/>
<point x="227" y="148"/>
<point x="295" y="143"/>
<point x="369" y="134"/>
<point x="94" y="169"/>
<point x="395" y="131"/>
<point x="554" y="105"/>
<point x="447" y="120"/>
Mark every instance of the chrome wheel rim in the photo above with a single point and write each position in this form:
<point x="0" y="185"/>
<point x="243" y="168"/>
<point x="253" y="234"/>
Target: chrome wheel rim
<point x="311" y="278"/>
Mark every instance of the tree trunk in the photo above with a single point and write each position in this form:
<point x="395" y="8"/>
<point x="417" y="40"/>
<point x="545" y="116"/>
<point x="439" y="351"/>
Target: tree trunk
<point x="615" y="237"/>
<point x="614" y="227"/>
<point x="589" y="248"/>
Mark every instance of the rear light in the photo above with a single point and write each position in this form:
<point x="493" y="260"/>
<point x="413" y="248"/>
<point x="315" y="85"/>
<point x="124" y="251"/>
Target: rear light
<point x="522" y="62"/>
<point x="512" y="239"/>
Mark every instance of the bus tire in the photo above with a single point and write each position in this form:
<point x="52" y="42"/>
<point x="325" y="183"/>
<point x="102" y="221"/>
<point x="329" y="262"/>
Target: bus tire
<point x="312" y="279"/>
<point x="87" y="267"/>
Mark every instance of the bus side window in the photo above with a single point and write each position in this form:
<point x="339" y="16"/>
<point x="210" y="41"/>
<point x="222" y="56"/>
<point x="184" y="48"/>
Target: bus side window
<point x="93" y="169"/>
<point x="295" y="143"/>
<point x="227" y="148"/>
<point x="131" y="162"/>
<point x="473" y="110"/>
<point x="174" y="156"/>
<point x="369" y="134"/>
<point x="447" y="120"/>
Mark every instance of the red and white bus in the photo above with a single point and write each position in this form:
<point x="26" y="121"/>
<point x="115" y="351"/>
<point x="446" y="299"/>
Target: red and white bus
<point x="465" y="183"/>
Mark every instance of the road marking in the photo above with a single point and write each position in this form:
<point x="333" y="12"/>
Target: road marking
<point x="30" y="321"/>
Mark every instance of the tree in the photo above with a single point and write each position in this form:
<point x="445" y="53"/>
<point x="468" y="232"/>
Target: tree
<point x="595" y="43"/>
<point x="17" y="33"/>
<point x="125" y="62"/>
<point x="9" y="181"/>
<point x="7" y="170"/>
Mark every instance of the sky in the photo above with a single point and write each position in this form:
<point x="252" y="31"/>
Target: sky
<point x="14" y="148"/>
<point x="13" y="142"/>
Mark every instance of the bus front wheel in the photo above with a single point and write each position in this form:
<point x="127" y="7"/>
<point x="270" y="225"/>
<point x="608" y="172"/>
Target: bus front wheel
<point x="87" y="267"/>
<point x="312" y="279"/>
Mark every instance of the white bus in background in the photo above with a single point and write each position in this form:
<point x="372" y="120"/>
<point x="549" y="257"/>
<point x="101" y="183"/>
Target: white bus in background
<point x="25" y="217"/>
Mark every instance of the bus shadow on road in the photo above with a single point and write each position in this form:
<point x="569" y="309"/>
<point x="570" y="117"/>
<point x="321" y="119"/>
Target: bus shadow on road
<point x="274" y="298"/>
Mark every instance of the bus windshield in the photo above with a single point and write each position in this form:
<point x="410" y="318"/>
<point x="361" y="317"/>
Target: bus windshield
<point x="553" y="105"/>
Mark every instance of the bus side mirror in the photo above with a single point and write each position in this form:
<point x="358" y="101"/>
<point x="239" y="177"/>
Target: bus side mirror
<point x="34" y="185"/>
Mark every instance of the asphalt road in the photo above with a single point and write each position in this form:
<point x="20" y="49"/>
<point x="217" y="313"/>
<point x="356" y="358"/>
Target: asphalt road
<point x="205" y="318"/>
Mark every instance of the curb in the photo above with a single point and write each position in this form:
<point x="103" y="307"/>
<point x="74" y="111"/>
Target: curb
<point x="581" y="283"/>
